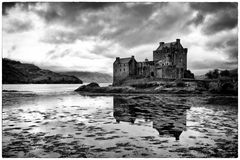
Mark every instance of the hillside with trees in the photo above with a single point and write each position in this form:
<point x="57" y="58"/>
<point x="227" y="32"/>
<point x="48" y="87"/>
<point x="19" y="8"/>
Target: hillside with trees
<point x="15" y="72"/>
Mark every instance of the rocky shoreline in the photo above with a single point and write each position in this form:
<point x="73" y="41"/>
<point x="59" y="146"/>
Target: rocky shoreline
<point x="158" y="88"/>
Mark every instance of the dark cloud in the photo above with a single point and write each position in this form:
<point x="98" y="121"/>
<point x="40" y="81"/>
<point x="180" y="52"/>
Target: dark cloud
<point x="212" y="7"/>
<point x="138" y="30"/>
<point x="233" y="53"/>
<point x="135" y="26"/>
<point x="215" y="44"/>
<point x="228" y="44"/>
<point x="6" y="6"/>
<point x="68" y="13"/>
<point x="14" y="23"/>
<point x="224" y="16"/>
<point x="88" y="5"/>
<point x="129" y="24"/>
<point x="220" y="22"/>
<point x="196" y="20"/>
<point x="90" y="23"/>
<point x="209" y="64"/>
<point x="25" y="6"/>
<point x="232" y="42"/>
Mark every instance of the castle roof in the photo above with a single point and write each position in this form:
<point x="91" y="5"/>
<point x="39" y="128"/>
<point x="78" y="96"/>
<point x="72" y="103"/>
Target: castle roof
<point x="124" y="60"/>
<point x="165" y="45"/>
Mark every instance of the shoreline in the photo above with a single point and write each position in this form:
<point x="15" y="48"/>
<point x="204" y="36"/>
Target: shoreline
<point x="163" y="87"/>
<point x="202" y="94"/>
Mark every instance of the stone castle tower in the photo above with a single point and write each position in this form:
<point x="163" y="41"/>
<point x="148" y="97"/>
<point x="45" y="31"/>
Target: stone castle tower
<point x="169" y="62"/>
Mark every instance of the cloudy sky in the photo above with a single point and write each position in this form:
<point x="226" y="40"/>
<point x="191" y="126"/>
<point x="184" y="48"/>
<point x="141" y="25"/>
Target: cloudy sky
<point x="88" y="36"/>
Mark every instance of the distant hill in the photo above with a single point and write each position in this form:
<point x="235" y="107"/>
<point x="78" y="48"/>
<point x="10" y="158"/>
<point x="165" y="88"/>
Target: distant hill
<point x="91" y="76"/>
<point x="15" y="72"/>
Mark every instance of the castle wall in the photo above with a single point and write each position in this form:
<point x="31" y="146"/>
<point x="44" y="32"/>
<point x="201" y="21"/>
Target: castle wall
<point x="166" y="72"/>
<point x="146" y="69"/>
<point x="181" y="60"/>
<point x="169" y="72"/>
<point x="159" y="55"/>
<point x="133" y="67"/>
<point x="120" y="72"/>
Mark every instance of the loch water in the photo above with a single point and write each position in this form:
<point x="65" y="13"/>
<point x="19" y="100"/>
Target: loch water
<point x="51" y="120"/>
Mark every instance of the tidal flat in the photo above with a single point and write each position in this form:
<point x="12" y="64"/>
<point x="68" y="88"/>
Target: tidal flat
<point x="67" y="124"/>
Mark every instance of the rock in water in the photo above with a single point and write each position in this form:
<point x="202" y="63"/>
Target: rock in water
<point x="93" y="84"/>
<point x="88" y="87"/>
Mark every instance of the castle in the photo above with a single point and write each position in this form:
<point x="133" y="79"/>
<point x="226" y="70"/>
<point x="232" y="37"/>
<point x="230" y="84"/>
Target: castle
<point x="169" y="62"/>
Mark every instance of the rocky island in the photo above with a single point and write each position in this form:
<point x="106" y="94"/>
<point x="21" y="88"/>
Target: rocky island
<point x="163" y="87"/>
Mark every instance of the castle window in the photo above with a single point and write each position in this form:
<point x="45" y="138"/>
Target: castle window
<point x="120" y="70"/>
<point x="124" y="69"/>
<point x="152" y="74"/>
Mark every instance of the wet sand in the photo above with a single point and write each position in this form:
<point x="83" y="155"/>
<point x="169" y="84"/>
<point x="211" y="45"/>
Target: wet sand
<point x="71" y="125"/>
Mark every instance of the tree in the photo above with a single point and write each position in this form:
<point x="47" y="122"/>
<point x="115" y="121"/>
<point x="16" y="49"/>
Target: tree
<point x="209" y="75"/>
<point x="225" y="73"/>
<point x="213" y="74"/>
<point x="188" y="74"/>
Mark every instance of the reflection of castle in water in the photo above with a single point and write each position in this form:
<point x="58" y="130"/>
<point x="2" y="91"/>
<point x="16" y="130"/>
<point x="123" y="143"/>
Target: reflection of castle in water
<point x="125" y="112"/>
<point x="167" y="120"/>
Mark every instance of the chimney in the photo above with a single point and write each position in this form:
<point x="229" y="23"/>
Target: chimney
<point x="117" y="58"/>
<point x="178" y="40"/>
<point x="185" y="50"/>
<point x="132" y="57"/>
<point x="146" y="60"/>
<point x="161" y="43"/>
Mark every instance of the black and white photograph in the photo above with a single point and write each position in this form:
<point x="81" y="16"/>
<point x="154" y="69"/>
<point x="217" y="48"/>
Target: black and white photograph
<point x="84" y="79"/>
